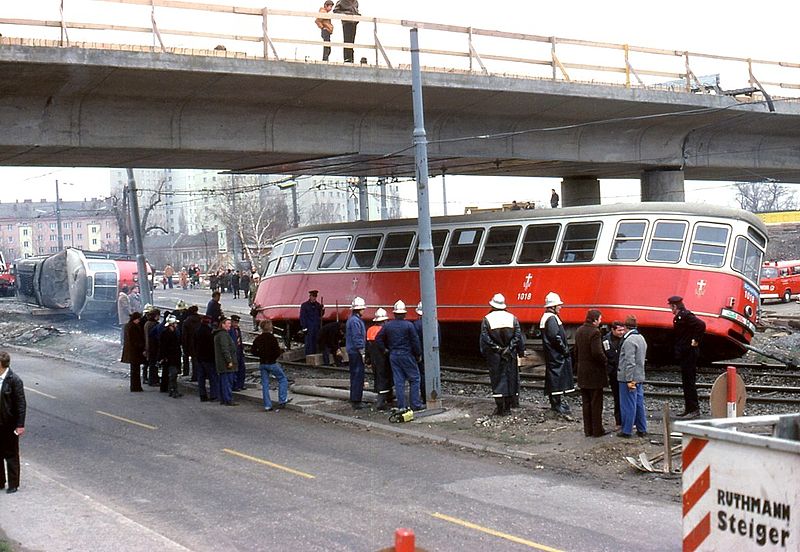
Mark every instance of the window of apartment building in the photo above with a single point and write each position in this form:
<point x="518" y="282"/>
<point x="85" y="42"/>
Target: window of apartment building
<point x="94" y="229"/>
<point x="10" y="239"/>
<point x="52" y="226"/>
<point x="94" y="242"/>
<point x="67" y="225"/>
<point x="39" y="226"/>
<point x="26" y="244"/>
<point x="24" y="231"/>
<point x="10" y="226"/>
<point x="39" y="238"/>
<point x="78" y="224"/>
<point x="108" y="236"/>
<point x="52" y="237"/>
<point x="53" y="249"/>
<point x="80" y="237"/>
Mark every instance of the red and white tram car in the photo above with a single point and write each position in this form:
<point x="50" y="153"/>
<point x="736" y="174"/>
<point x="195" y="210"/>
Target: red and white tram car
<point x="622" y="259"/>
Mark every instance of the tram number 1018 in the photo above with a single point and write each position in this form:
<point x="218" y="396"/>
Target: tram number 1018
<point x="524" y="296"/>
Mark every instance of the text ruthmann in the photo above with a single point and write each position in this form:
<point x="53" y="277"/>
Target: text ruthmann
<point x="760" y="533"/>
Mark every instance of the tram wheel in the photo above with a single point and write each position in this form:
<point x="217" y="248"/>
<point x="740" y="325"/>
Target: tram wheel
<point x="787" y="296"/>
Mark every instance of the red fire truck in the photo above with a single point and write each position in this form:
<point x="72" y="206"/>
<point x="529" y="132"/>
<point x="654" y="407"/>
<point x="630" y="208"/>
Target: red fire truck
<point x="780" y="280"/>
<point x="6" y="278"/>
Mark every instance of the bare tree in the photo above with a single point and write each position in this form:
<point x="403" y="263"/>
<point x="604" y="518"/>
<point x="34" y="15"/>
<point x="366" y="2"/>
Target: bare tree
<point x="762" y="197"/>
<point x="119" y="206"/>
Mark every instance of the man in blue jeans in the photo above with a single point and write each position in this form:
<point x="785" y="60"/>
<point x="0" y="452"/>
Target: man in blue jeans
<point x="355" y="339"/>
<point x="630" y="375"/>
<point x="267" y="349"/>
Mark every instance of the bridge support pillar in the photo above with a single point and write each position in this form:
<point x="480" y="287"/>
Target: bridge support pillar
<point x="662" y="185"/>
<point x="580" y="190"/>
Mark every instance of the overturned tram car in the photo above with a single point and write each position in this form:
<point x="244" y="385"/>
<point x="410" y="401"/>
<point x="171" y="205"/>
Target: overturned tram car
<point x="86" y="283"/>
<point x="621" y="259"/>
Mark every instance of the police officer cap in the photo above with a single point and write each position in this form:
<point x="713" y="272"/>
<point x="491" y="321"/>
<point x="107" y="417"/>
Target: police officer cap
<point x="235" y="318"/>
<point x="313" y="292"/>
<point x="675" y="299"/>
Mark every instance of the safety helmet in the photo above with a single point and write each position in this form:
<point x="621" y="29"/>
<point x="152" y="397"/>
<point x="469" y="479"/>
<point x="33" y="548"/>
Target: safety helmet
<point x="358" y="304"/>
<point x="498" y="301"/>
<point x="399" y="308"/>
<point x="180" y="305"/>
<point x="552" y="299"/>
<point x="380" y="315"/>
<point x="170" y="320"/>
<point x="147" y="308"/>
<point x="419" y="308"/>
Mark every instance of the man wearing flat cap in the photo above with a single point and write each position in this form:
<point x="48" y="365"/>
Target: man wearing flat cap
<point x="311" y="321"/>
<point x="689" y="330"/>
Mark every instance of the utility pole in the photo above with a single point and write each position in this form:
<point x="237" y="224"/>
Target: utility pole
<point x="384" y="212"/>
<point x="138" y="242"/>
<point x="427" y="274"/>
<point x="58" y="220"/>
<point x="363" y="198"/>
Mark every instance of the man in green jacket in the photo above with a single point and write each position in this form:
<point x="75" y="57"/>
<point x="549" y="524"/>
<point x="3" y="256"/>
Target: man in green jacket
<point x="225" y="360"/>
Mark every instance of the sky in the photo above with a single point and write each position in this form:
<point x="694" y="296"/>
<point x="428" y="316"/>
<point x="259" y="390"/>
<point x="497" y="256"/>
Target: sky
<point x="735" y="28"/>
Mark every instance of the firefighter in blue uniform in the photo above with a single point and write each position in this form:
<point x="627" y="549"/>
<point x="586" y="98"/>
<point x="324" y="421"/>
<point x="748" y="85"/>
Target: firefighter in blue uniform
<point x="400" y="338"/>
<point x="311" y="321"/>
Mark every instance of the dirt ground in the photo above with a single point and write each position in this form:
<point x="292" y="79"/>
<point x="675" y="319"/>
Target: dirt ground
<point x="538" y="438"/>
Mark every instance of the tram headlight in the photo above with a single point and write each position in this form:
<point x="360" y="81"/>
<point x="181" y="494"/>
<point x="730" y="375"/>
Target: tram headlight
<point x="748" y="311"/>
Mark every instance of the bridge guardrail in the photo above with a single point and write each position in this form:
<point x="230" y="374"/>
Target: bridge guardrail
<point x="287" y="35"/>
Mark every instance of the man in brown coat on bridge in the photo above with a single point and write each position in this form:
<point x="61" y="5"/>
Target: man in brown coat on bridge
<point x="591" y="363"/>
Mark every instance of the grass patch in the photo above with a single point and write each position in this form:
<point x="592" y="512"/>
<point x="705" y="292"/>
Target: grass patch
<point x="5" y="546"/>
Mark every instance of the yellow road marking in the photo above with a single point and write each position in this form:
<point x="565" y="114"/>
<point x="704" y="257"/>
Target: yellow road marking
<point x="494" y="533"/>
<point x="121" y="419"/>
<point x="270" y="464"/>
<point x="39" y="393"/>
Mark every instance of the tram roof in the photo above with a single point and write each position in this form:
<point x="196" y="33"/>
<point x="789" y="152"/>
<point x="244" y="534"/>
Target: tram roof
<point x="523" y="215"/>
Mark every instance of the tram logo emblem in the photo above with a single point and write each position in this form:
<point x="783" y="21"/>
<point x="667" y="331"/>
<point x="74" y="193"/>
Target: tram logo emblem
<point x="527" y="283"/>
<point x="701" y="287"/>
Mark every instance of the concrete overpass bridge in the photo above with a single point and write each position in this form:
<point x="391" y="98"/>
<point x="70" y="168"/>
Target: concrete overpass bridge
<point x="118" y="105"/>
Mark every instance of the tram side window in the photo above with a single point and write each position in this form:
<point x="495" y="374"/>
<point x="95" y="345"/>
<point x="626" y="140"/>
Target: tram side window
<point x="463" y="247"/>
<point x="364" y="252"/>
<point x="500" y="244"/>
<point x="438" y="237"/>
<point x="709" y="245"/>
<point x="286" y="256"/>
<point x="629" y="240"/>
<point x="395" y="250"/>
<point x="539" y="243"/>
<point x="580" y="242"/>
<point x="335" y="252"/>
<point x="667" y="242"/>
<point x="747" y="258"/>
<point x="304" y="253"/>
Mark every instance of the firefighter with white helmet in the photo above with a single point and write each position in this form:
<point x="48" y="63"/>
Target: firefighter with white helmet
<point x="355" y="345"/>
<point x="558" y="379"/>
<point x="399" y="337"/>
<point x="378" y="358"/>
<point x="501" y="343"/>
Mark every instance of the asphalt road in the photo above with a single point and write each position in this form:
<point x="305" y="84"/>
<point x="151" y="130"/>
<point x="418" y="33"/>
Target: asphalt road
<point x="106" y="469"/>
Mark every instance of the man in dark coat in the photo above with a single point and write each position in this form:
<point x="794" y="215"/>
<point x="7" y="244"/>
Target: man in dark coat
<point x="500" y="344"/>
<point x="399" y="337"/>
<point x="151" y="344"/>
<point x="133" y="350"/>
<point x="558" y="370"/>
<point x="612" y="342"/>
<point x="169" y="353"/>
<point x="241" y="367"/>
<point x="225" y="360"/>
<point x="188" y="333"/>
<point x="214" y="309"/>
<point x="689" y="331"/>
<point x="206" y="367"/>
<point x="591" y="363"/>
<point x="236" y="280"/>
<point x="12" y="422"/>
<point x="311" y="321"/>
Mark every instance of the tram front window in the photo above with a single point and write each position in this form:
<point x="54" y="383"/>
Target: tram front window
<point x="304" y="253"/>
<point x="364" y="252"/>
<point x="335" y="252"/>
<point x="287" y="256"/>
<point x="747" y="258"/>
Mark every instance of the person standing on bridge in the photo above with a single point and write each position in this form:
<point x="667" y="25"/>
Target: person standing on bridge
<point x="500" y="344"/>
<point x="311" y="321"/>
<point x="558" y="370"/>
<point x="348" y="7"/>
<point x="325" y="26"/>
<point x="12" y="422"/>
<point x="689" y="331"/>
<point x="554" y="199"/>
